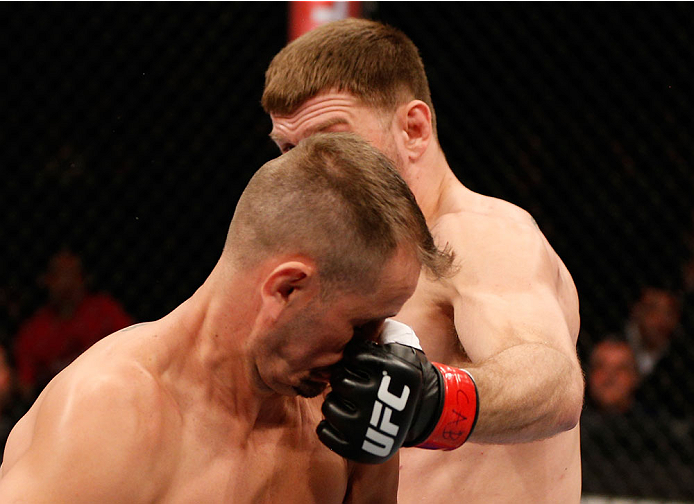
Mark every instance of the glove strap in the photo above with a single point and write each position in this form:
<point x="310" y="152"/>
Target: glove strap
<point x="460" y="410"/>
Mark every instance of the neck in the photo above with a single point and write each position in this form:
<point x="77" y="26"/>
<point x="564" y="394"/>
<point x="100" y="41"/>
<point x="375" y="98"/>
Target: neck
<point x="219" y="321"/>
<point x="431" y="180"/>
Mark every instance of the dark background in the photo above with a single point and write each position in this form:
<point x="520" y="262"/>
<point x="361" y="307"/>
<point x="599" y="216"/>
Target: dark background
<point x="130" y="129"/>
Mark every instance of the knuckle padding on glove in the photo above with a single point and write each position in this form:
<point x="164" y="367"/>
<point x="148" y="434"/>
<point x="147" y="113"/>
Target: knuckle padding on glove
<point x="332" y="438"/>
<point x="369" y="411"/>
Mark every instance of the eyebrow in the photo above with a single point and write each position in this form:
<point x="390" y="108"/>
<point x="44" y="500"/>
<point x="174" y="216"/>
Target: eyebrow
<point x="329" y="123"/>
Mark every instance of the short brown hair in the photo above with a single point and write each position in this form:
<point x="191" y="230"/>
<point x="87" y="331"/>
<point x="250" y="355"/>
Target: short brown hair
<point x="338" y="200"/>
<point x="376" y="63"/>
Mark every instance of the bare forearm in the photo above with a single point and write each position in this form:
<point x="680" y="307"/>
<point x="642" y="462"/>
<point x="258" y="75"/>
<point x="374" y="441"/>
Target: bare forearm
<point x="527" y="392"/>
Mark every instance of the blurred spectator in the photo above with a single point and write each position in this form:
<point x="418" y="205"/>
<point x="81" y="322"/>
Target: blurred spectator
<point x="12" y="408"/>
<point x="664" y="353"/>
<point x="613" y="378"/>
<point x="629" y="449"/>
<point x="655" y="317"/>
<point x="70" y="322"/>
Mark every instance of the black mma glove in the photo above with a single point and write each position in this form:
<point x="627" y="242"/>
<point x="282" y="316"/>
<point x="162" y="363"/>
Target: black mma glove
<point x="387" y="396"/>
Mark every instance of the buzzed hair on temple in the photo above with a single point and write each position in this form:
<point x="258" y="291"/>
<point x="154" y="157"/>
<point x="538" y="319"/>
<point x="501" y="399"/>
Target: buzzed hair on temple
<point x="339" y="201"/>
<point x="376" y="63"/>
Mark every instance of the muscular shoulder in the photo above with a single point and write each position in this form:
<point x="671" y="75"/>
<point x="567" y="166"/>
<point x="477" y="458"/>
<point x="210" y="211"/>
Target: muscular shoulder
<point x="122" y="394"/>
<point x="504" y="259"/>
<point x="98" y="425"/>
<point x="487" y="232"/>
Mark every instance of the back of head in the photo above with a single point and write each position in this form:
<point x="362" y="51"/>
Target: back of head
<point x="337" y="200"/>
<point x="376" y="63"/>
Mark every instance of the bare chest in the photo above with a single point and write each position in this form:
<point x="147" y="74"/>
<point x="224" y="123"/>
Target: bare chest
<point x="276" y="465"/>
<point x="542" y="472"/>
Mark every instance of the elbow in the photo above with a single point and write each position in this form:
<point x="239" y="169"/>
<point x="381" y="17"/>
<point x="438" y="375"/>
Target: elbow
<point x="571" y="404"/>
<point x="570" y="416"/>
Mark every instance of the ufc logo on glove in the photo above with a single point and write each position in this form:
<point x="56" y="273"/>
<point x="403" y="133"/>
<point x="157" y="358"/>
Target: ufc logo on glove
<point x="383" y="438"/>
<point x="389" y="395"/>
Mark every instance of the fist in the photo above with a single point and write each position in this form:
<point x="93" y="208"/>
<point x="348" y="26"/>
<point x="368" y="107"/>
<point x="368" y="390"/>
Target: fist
<point x="375" y="394"/>
<point x="387" y="396"/>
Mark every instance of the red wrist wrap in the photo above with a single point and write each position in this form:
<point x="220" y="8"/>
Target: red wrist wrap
<point x="460" y="409"/>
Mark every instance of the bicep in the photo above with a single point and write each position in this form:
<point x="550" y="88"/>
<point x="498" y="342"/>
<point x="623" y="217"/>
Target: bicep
<point x="39" y="477"/>
<point x="488" y="323"/>
<point x="514" y="291"/>
<point x="36" y="482"/>
<point x="19" y="485"/>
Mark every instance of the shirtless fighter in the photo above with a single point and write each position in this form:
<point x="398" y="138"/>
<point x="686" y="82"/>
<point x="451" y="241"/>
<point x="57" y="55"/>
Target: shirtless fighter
<point x="218" y="401"/>
<point x="508" y="317"/>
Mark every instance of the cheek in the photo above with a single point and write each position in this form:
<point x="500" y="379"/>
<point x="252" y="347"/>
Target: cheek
<point x="390" y="149"/>
<point x="329" y="350"/>
<point x="312" y="352"/>
<point x="381" y="138"/>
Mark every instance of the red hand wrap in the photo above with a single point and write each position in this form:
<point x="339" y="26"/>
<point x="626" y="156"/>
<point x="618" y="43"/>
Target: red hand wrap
<point x="460" y="409"/>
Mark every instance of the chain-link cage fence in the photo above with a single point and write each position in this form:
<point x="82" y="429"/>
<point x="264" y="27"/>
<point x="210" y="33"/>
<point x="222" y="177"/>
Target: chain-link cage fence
<point x="130" y="129"/>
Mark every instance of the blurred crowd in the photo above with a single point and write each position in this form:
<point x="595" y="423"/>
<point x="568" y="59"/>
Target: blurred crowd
<point x="637" y="427"/>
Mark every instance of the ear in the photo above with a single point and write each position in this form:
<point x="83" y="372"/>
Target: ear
<point x="416" y="127"/>
<point x="288" y="283"/>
